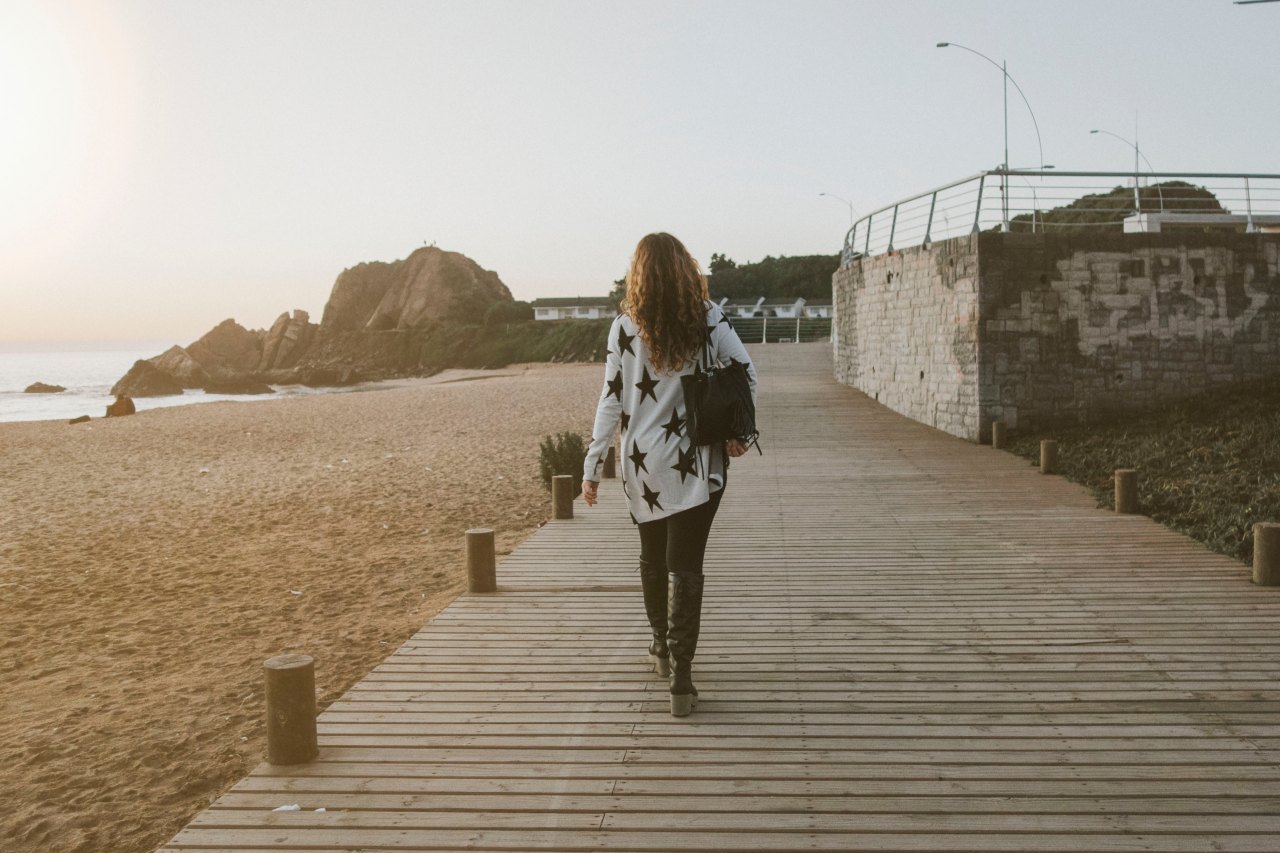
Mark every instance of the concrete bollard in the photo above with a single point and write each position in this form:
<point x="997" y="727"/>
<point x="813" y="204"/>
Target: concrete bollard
<point x="611" y="463"/>
<point x="291" y="709"/>
<point x="562" y="496"/>
<point x="481" y="566"/>
<point x="1266" y="553"/>
<point x="1048" y="456"/>
<point x="998" y="435"/>
<point x="1126" y="491"/>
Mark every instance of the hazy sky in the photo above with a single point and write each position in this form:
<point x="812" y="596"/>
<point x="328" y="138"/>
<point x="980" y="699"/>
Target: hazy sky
<point x="165" y="165"/>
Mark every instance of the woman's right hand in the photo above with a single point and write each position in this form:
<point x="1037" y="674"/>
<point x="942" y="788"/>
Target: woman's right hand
<point x="736" y="447"/>
<point x="590" y="491"/>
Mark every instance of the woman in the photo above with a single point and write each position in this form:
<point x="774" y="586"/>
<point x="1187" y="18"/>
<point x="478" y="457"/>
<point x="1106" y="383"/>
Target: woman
<point x="668" y="328"/>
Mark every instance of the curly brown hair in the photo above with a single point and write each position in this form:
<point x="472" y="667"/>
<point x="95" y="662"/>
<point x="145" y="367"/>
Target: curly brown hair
<point x="666" y="293"/>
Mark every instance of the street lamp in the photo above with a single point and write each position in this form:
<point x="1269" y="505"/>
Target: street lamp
<point x="1004" y="71"/>
<point x="845" y="200"/>
<point x="1137" y="198"/>
<point x="1035" y="199"/>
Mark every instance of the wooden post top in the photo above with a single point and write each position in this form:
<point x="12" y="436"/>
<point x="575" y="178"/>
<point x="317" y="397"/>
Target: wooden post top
<point x="290" y="660"/>
<point x="478" y="531"/>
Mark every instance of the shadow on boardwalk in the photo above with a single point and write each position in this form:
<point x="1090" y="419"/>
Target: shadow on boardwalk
<point x="910" y="643"/>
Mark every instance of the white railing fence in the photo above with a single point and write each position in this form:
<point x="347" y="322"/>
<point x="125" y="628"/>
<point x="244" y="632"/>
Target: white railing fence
<point x="1024" y="200"/>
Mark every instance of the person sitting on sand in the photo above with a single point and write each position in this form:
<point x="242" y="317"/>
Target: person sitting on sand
<point x="122" y="406"/>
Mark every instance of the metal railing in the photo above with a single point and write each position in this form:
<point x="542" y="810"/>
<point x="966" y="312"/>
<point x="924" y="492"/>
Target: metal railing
<point x="787" y="330"/>
<point x="1034" y="201"/>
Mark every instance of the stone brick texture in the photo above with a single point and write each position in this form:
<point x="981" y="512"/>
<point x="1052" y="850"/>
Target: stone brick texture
<point x="1041" y="329"/>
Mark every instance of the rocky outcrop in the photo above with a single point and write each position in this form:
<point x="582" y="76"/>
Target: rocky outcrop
<point x="144" y="379"/>
<point x="121" y="407"/>
<point x="286" y="341"/>
<point x="179" y="364"/>
<point x="43" y="388"/>
<point x="382" y="319"/>
<point x="429" y="285"/>
<point x="228" y="350"/>
<point x="246" y="385"/>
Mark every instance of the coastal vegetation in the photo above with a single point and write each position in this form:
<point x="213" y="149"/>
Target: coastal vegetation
<point x="446" y="345"/>
<point x="562" y="453"/>
<point x="1208" y="466"/>
<point x="1111" y="207"/>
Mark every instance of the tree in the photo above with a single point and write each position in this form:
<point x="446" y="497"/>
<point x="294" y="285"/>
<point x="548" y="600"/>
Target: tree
<point x="719" y="263"/>
<point x="808" y="276"/>
<point x="619" y="292"/>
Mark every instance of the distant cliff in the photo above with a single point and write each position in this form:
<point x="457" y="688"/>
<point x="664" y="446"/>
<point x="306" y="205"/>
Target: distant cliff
<point x="415" y="316"/>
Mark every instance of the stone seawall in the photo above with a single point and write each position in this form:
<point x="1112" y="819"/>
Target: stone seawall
<point x="1037" y="329"/>
<point x="906" y="332"/>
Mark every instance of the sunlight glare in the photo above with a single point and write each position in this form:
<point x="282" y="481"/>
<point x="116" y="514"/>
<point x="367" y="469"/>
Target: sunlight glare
<point x="41" y="116"/>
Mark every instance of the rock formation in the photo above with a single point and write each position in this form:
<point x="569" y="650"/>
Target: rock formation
<point x="286" y="341"/>
<point x="430" y="284"/>
<point x="179" y="364"/>
<point x="122" y="406"/>
<point x="43" y="388"/>
<point x="228" y="350"/>
<point x="144" y="379"/>
<point x="375" y="324"/>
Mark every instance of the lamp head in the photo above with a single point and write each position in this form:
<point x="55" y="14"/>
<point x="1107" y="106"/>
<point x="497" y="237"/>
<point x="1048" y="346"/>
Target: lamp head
<point x="944" y="44"/>
<point x="1093" y="131"/>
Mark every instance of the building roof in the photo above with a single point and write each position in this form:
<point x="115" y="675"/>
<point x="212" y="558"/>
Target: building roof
<point x="572" y="301"/>
<point x="783" y="300"/>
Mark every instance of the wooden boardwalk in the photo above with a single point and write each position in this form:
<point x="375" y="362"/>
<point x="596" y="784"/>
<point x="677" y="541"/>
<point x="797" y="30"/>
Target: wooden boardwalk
<point x="910" y="643"/>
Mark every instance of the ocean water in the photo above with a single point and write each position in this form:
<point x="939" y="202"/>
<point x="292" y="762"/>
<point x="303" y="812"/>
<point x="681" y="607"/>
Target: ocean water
<point x="88" y="376"/>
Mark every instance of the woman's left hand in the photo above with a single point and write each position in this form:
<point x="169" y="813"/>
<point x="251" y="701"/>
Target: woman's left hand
<point x="735" y="447"/>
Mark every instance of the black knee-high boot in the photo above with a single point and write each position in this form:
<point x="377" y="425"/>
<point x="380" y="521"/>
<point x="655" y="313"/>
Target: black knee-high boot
<point x="653" y="580"/>
<point x="682" y="639"/>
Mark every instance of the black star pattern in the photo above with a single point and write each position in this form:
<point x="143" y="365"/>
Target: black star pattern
<point x="651" y="497"/>
<point x="637" y="459"/>
<point x="615" y="386"/>
<point x="626" y="419"/>
<point x="724" y="318"/>
<point x="624" y="341"/>
<point x="687" y="463"/>
<point x="710" y="331"/>
<point x="646" y="386"/>
<point x="673" y="426"/>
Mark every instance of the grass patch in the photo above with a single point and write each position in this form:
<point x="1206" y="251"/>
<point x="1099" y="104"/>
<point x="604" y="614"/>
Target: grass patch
<point x="1208" y="466"/>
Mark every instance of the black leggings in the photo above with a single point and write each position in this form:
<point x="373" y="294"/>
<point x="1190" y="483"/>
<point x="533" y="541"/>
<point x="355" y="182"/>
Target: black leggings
<point x="679" y="541"/>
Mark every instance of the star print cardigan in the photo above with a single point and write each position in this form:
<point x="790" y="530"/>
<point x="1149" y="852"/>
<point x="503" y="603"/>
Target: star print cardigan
<point x="662" y="472"/>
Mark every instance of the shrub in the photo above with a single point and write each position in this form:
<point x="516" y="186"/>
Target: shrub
<point x="500" y="313"/>
<point x="563" y="454"/>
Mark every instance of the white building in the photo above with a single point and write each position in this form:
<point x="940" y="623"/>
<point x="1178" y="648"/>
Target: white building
<point x="574" y="308"/>
<point x="789" y="308"/>
<point x="740" y="309"/>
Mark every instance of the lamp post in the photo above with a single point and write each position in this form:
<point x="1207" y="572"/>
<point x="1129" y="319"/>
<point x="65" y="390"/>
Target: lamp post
<point x="1004" y="72"/>
<point x="845" y="200"/>
<point x="1137" y="197"/>
<point x="1035" y="199"/>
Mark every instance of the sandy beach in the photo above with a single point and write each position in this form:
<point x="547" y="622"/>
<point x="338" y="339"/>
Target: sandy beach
<point x="149" y="564"/>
